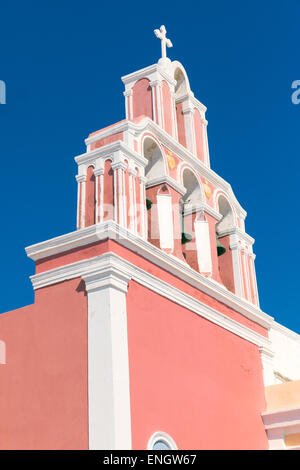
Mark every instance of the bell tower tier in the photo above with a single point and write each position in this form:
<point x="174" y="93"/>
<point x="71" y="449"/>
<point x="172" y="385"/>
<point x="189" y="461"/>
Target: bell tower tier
<point x="151" y="175"/>
<point x="162" y="93"/>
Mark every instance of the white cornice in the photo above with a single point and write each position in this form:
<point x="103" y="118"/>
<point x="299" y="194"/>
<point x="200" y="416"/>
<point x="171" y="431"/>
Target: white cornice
<point x="196" y="103"/>
<point x="286" y="331"/>
<point x="114" y="129"/>
<point x="112" y="266"/>
<point x="167" y="140"/>
<point x="142" y="247"/>
<point x="236" y="231"/>
<point x="148" y="71"/>
<point x="190" y="209"/>
<point x="166" y="179"/>
<point x="110" y="149"/>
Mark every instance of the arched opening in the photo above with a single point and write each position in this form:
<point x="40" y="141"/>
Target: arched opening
<point x="191" y="198"/>
<point x="155" y="167"/>
<point x="193" y="190"/>
<point x="181" y="89"/>
<point x="181" y="85"/>
<point x="225" y="210"/>
<point x="225" y="261"/>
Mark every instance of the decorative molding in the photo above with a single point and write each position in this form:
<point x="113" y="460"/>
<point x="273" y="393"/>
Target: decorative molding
<point x="164" y="437"/>
<point x="286" y="331"/>
<point x="108" y="151"/>
<point x="152" y="70"/>
<point x="99" y="171"/>
<point x="80" y="178"/>
<point x="191" y="209"/>
<point x="240" y="234"/>
<point x="123" y="270"/>
<point x="148" y="125"/>
<point x="137" y="244"/>
<point x="168" y="180"/>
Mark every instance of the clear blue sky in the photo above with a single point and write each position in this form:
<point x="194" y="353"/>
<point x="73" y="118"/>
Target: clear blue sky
<point x="62" y="62"/>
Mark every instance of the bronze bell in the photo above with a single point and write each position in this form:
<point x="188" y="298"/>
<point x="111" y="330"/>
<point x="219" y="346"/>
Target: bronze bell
<point x="220" y="248"/>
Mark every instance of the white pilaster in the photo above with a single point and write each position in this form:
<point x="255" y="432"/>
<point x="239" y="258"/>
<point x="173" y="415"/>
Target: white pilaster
<point x="81" y="179"/>
<point x="244" y="255"/>
<point x="267" y="359"/>
<point x="157" y="102"/>
<point x="189" y="125"/>
<point x="99" y="194"/>
<point x="253" y="278"/>
<point x="108" y="365"/>
<point x="132" y="200"/>
<point x="128" y="103"/>
<point x="205" y="141"/>
<point x="237" y="268"/>
<point x="143" y="211"/>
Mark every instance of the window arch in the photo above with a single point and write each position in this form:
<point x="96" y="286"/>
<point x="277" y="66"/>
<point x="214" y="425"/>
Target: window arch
<point x="225" y="209"/>
<point x="161" y="441"/>
<point x="156" y="166"/>
<point x="225" y="260"/>
<point x="193" y="193"/>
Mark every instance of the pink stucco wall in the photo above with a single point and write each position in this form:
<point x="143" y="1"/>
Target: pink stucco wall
<point x="43" y="385"/>
<point x="190" y="378"/>
<point x="142" y="99"/>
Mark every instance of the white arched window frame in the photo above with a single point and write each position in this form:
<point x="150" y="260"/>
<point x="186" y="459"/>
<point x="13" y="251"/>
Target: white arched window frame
<point x="161" y="436"/>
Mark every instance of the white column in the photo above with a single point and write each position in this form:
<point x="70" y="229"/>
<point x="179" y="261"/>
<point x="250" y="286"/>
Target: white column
<point x="119" y="190"/>
<point x="244" y="254"/>
<point x="108" y="365"/>
<point x="174" y="117"/>
<point x="99" y="194"/>
<point x="123" y="173"/>
<point x="116" y="205"/>
<point x="236" y="262"/>
<point x="143" y="211"/>
<point x="253" y="277"/>
<point x="132" y="200"/>
<point x="189" y="125"/>
<point x="205" y="142"/>
<point x="128" y="103"/>
<point x="157" y="102"/>
<point x="81" y="179"/>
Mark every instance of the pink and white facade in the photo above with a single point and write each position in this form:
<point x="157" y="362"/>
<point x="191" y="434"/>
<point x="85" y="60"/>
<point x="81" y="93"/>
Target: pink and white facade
<point x="140" y="332"/>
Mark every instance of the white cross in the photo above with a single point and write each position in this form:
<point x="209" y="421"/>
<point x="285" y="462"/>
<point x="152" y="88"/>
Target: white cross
<point x="161" y="34"/>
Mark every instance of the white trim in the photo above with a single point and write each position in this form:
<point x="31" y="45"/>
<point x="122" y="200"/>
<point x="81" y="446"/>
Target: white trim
<point x="182" y="152"/>
<point x="119" y="265"/>
<point x="108" y="364"/>
<point x="202" y="206"/>
<point x="144" y="248"/>
<point x="237" y="231"/>
<point x="161" y="436"/>
<point x="166" y="180"/>
<point x="286" y="331"/>
<point x="113" y="151"/>
<point x="267" y="360"/>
